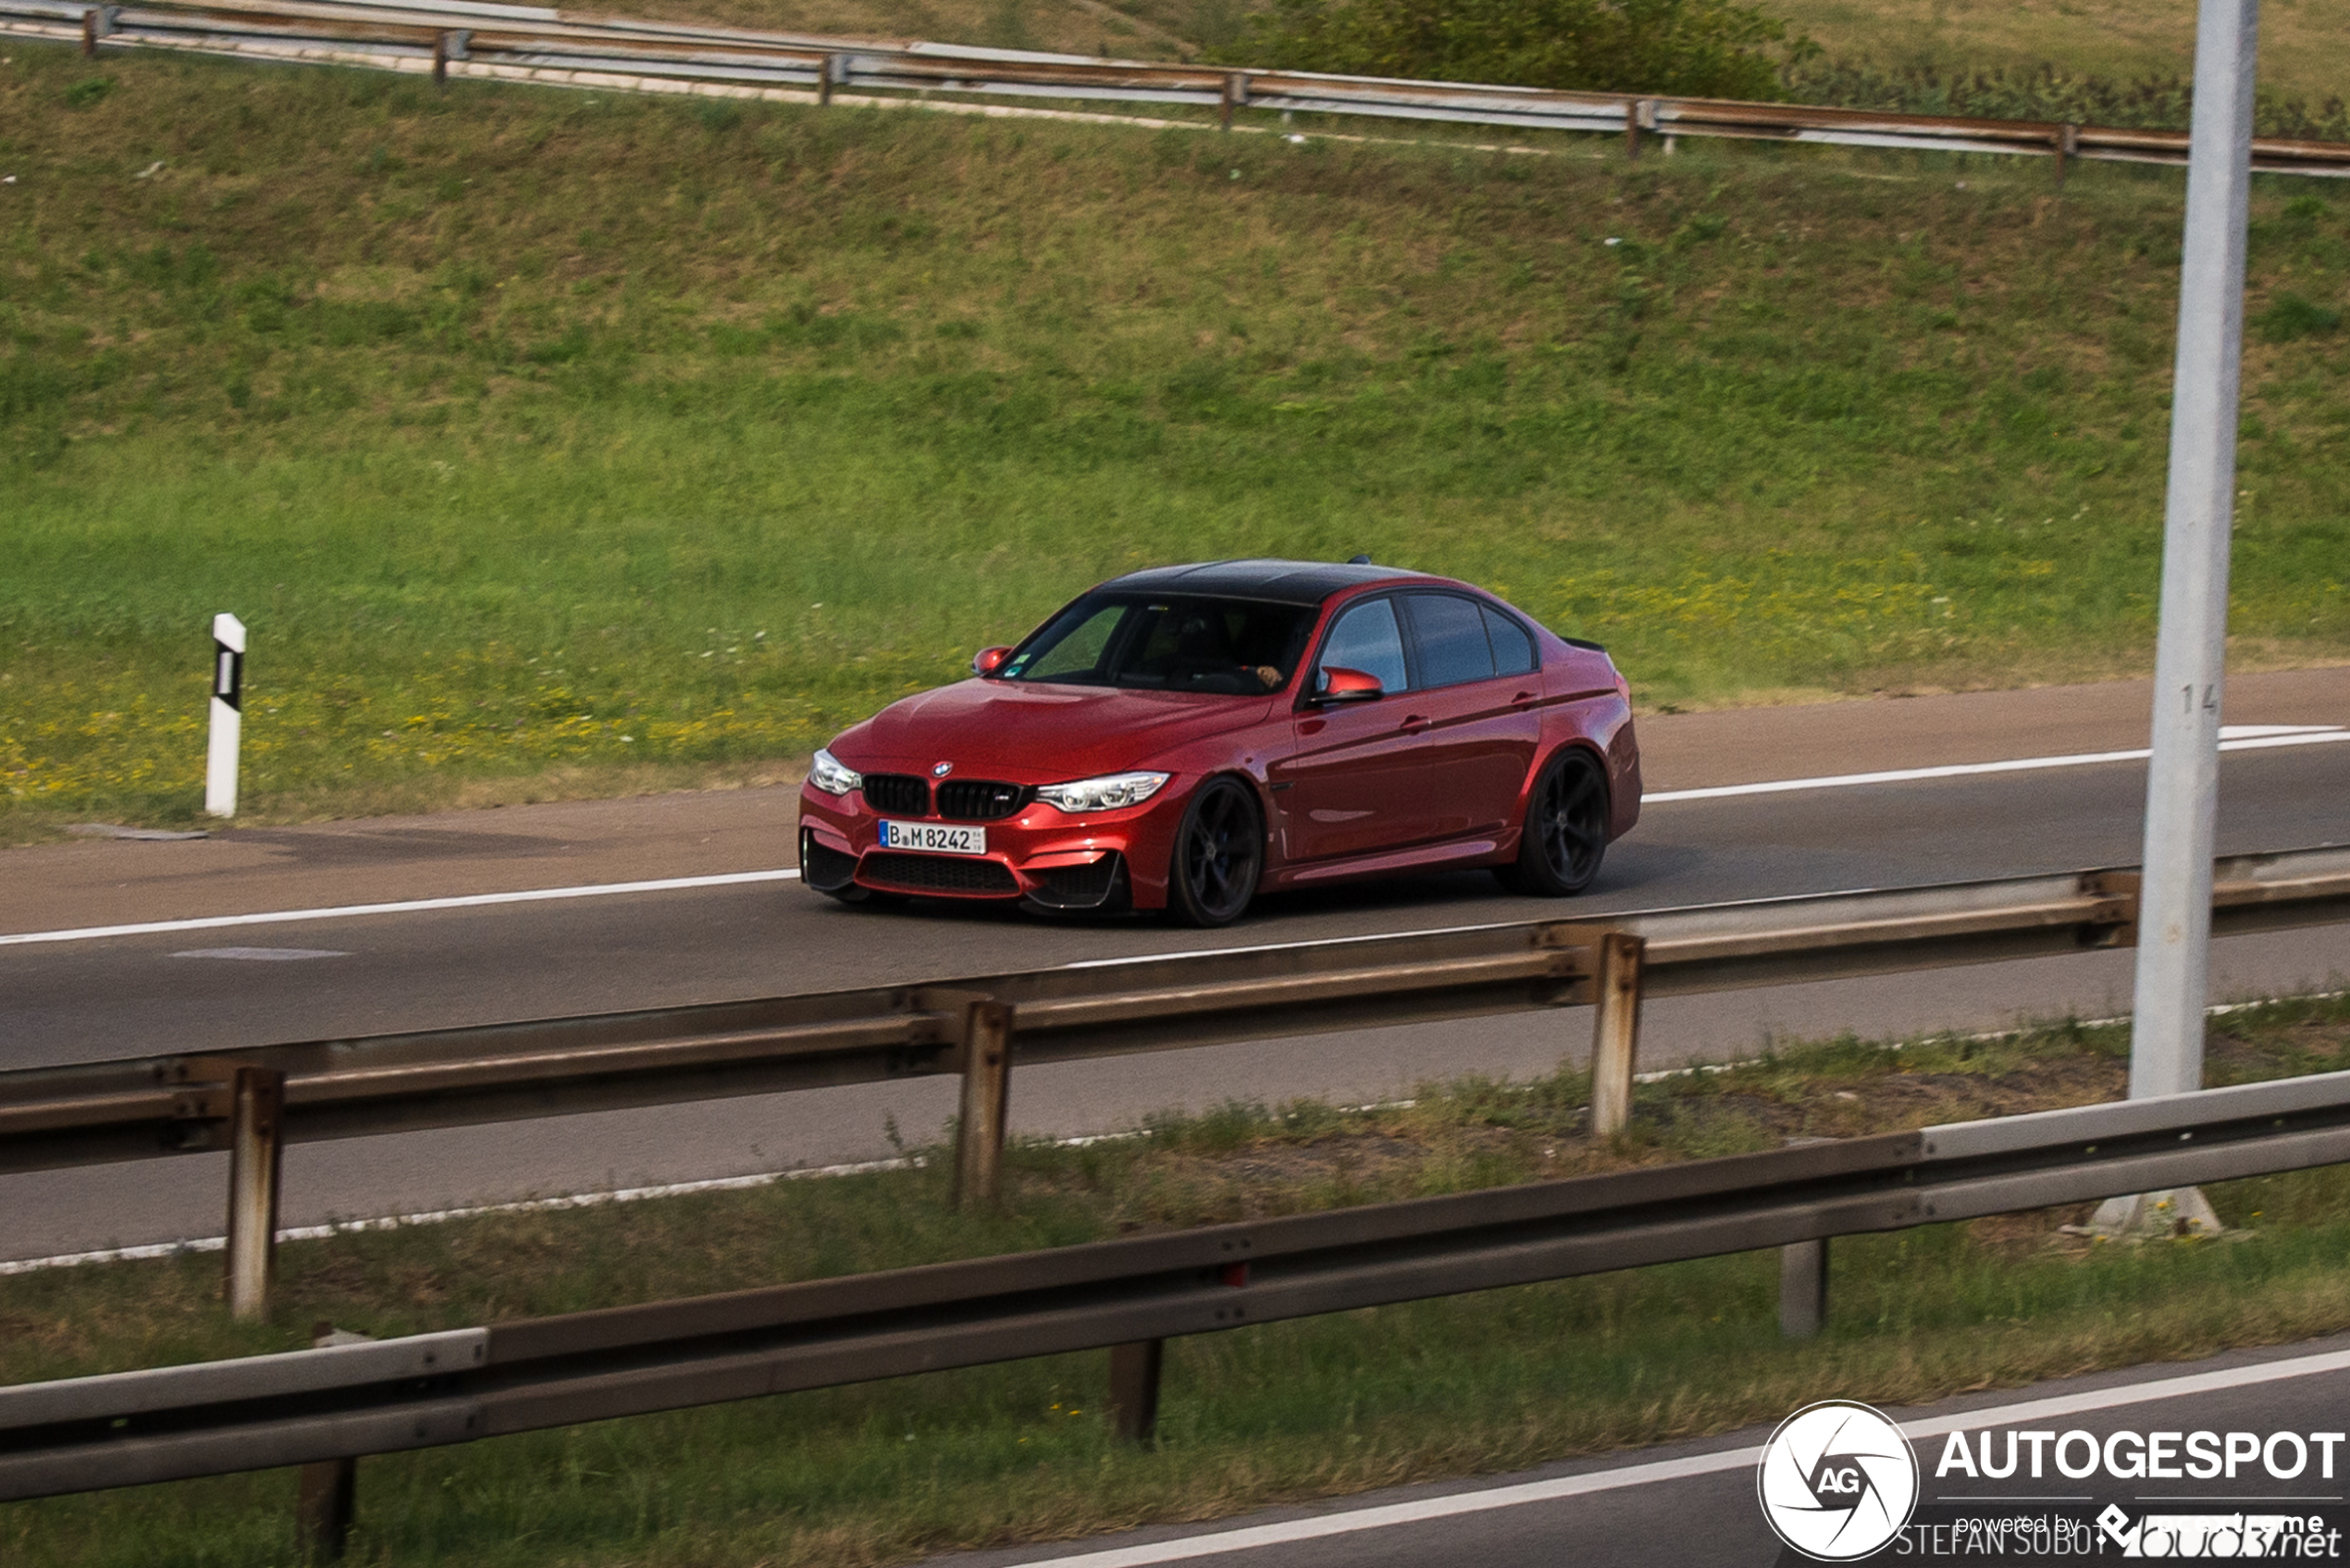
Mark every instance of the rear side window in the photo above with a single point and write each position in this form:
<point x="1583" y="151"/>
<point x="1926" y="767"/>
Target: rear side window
<point x="1513" y="648"/>
<point x="1367" y="638"/>
<point x="1451" y="634"/>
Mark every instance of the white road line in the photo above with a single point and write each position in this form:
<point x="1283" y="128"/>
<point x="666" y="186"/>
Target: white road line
<point x="2233" y="737"/>
<point x="409" y="906"/>
<point x="442" y="1216"/>
<point x="1274" y="946"/>
<point x="262" y="955"/>
<point x="1425" y="1508"/>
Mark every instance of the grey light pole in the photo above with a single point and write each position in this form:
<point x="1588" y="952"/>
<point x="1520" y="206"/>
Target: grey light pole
<point x="2182" y="779"/>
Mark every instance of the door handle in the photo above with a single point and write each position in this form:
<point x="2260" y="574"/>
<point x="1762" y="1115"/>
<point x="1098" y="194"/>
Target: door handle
<point x="1524" y="697"/>
<point x="1414" y="721"/>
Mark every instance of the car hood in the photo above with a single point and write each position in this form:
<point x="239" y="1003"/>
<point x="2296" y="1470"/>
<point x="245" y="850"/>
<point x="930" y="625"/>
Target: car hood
<point x="1039" y="733"/>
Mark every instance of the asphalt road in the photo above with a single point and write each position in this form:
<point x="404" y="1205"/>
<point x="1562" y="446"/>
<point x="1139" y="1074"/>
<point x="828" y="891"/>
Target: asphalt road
<point x="1694" y="1505"/>
<point x="93" y="999"/>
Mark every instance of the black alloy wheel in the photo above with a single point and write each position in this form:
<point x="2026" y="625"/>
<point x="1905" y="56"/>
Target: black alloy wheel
<point x="1219" y="852"/>
<point x="1566" y="829"/>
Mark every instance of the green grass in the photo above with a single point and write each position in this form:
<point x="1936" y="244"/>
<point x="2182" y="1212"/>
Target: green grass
<point x="2305" y="46"/>
<point x="890" y="1472"/>
<point x="532" y="430"/>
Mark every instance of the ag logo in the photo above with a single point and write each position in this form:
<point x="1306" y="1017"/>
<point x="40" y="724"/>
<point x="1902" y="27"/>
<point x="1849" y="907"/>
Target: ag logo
<point x="942" y="770"/>
<point x="1838" y="1481"/>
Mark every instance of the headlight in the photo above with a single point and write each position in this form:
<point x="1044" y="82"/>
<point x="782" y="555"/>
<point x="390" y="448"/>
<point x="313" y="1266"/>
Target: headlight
<point x="1109" y="793"/>
<point x="828" y="775"/>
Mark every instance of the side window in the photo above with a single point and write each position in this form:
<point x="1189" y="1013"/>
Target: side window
<point x="1513" y="648"/>
<point x="1451" y="634"/>
<point x="1367" y="638"/>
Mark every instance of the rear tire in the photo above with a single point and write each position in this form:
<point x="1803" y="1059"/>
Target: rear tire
<point x="1565" y="834"/>
<point x="1219" y="855"/>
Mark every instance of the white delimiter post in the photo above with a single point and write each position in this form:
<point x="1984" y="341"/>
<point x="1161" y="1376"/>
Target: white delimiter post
<point x="228" y="715"/>
<point x="2182" y="781"/>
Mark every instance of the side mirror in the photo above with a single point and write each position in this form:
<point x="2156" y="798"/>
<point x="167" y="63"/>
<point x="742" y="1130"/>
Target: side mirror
<point x="986" y="661"/>
<point x="1334" y="683"/>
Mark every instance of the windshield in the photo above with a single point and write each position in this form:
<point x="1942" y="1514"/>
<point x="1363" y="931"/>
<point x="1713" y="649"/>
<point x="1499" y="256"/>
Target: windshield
<point x="1235" y="646"/>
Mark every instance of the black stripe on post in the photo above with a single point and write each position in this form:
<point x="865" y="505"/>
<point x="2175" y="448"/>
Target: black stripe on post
<point x="227" y="675"/>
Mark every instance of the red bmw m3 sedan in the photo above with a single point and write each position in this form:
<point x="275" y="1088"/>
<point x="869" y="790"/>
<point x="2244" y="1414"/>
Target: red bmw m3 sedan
<point x="1184" y="737"/>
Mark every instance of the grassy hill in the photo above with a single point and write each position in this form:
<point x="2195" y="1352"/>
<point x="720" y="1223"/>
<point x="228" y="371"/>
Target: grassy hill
<point x="2305" y="46"/>
<point x="534" y="430"/>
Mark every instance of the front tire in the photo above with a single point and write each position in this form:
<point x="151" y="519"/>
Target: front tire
<point x="865" y="897"/>
<point x="1566" y="836"/>
<point x="1219" y="855"/>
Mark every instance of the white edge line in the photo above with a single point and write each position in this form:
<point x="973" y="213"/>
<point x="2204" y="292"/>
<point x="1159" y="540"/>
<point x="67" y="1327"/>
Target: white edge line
<point x="409" y="906"/>
<point x="670" y="884"/>
<point x="442" y="1216"/>
<point x="2219" y="1010"/>
<point x="533" y="1205"/>
<point x="1272" y="946"/>
<point x="1969" y="769"/>
<point x="1389" y="1514"/>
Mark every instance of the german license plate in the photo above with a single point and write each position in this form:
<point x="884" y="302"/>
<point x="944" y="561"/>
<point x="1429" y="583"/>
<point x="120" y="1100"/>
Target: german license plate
<point x="935" y="838"/>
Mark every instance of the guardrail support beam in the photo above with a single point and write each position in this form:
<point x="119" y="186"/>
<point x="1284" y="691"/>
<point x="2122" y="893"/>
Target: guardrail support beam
<point x="1616" y="1031"/>
<point x="1803" y="1289"/>
<point x="1134" y="1388"/>
<point x="328" y="1504"/>
<point x="987" y="1083"/>
<point x="256" y="1114"/>
<point x="329" y="1500"/>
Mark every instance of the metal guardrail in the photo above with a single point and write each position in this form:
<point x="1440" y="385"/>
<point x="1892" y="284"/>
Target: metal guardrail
<point x="253" y="1102"/>
<point x="162" y="1105"/>
<point x="558" y="48"/>
<point x="327" y="1408"/>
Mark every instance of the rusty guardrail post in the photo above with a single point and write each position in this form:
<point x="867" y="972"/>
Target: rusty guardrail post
<point x="1235" y="94"/>
<point x="1134" y="1388"/>
<point x="1616" y="1031"/>
<point x="1803" y="1289"/>
<point x="826" y="75"/>
<point x="2068" y="147"/>
<point x="987" y="1082"/>
<point x="451" y="44"/>
<point x="328" y="1504"/>
<point x="257" y="1116"/>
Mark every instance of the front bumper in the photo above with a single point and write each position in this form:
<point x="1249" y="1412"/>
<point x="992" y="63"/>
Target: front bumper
<point x="1110" y="861"/>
